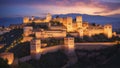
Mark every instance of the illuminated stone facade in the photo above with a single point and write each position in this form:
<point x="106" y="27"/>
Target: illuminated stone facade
<point x="77" y="26"/>
<point x="79" y="21"/>
<point x="47" y="34"/>
<point x="108" y="30"/>
<point x="9" y="56"/>
<point x="35" y="47"/>
<point x="69" y="44"/>
<point x="27" y="20"/>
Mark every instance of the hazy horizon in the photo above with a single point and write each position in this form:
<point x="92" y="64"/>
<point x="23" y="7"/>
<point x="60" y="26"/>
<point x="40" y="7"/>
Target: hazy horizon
<point x="90" y="18"/>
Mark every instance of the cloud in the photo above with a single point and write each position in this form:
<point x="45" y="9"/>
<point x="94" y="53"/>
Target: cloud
<point x="92" y="7"/>
<point x="110" y="8"/>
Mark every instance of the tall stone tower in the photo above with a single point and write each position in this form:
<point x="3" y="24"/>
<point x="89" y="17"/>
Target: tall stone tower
<point x="35" y="47"/>
<point x="80" y="31"/>
<point x="108" y="30"/>
<point x="69" y="48"/>
<point x="79" y="21"/>
<point x="48" y="17"/>
<point x="26" y="20"/>
<point x="69" y="44"/>
<point x="69" y="24"/>
<point x="65" y="22"/>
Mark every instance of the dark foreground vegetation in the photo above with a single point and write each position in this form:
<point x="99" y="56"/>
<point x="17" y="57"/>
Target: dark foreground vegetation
<point x="103" y="58"/>
<point x="21" y="49"/>
<point x="50" y="60"/>
<point x="10" y="39"/>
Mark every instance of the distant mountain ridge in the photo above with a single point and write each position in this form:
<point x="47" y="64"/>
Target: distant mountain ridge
<point x="6" y="21"/>
<point x="90" y="18"/>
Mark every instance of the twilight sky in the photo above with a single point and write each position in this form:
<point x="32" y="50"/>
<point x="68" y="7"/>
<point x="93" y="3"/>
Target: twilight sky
<point x="13" y="8"/>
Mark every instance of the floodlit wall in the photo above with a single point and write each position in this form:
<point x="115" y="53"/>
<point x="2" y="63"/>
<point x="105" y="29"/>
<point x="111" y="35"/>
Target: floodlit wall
<point x="9" y="56"/>
<point x="108" y="30"/>
<point x="47" y="34"/>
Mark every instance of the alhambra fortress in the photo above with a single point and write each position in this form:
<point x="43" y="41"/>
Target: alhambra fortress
<point x="36" y="30"/>
<point x="61" y="27"/>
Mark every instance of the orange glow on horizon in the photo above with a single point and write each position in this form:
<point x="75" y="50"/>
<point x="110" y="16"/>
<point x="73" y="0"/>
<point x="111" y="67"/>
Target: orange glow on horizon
<point x="82" y="9"/>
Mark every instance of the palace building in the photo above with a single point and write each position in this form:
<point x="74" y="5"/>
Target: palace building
<point x="61" y="27"/>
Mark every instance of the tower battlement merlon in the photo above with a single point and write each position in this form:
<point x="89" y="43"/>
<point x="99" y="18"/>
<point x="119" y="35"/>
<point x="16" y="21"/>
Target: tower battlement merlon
<point x="69" y="45"/>
<point x="69" y="21"/>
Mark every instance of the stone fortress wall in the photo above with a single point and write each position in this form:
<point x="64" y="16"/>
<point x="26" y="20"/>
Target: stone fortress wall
<point x="47" y="34"/>
<point x="68" y="48"/>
